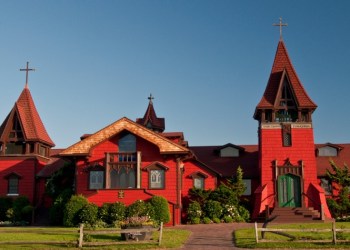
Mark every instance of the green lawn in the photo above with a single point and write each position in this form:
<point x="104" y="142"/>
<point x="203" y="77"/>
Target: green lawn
<point x="245" y="238"/>
<point x="171" y="238"/>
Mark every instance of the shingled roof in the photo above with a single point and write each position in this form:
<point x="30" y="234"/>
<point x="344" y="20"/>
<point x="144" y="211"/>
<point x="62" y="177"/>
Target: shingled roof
<point x="283" y="68"/>
<point x="31" y="123"/>
<point x="84" y="147"/>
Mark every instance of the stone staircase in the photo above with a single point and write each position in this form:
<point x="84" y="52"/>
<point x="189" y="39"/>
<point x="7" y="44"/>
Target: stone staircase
<point x="295" y="215"/>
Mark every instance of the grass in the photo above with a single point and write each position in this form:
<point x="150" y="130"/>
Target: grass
<point x="245" y="238"/>
<point x="172" y="238"/>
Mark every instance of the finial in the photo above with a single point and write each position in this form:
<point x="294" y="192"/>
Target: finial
<point x="280" y="24"/>
<point x="150" y="98"/>
<point x="27" y="69"/>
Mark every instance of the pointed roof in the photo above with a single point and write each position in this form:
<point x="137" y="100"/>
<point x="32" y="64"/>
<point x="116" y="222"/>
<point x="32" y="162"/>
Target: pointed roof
<point x="283" y="68"/>
<point x="28" y="116"/>
<point x="150" y="119"/>
<point x="84" y="147"/>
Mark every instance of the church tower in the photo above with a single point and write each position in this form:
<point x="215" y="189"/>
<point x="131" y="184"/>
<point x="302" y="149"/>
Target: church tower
<point x="287" y="161"/>
<point x="24" y="148"/>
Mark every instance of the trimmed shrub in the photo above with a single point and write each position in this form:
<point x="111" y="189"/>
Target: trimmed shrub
<point x="5" y="204"/>
<point x="103" y="213"/>
<point x="161" y="211"/>
<point x="117" y="212"/>
<point x="137" y="209"/>
<point x="72" y="210"/>
<point x="216" y="220"/>
<point x="56" y="211"/>
<point x="88" y="214"/>
<point x="195" y="220"/>
<point x="194" y="212"/>
<point x="212" y="209"/>
<point x="244" y="213"/>
<point x="207" y="220"/>
<point x="228" y="219"/>
<point x="18" y="204"/>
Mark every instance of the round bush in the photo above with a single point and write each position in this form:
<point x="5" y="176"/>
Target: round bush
<point x="161" y="211"/>
<point x="116" y="212"/>
<point x="194" y="211"/>
<point x="216" y="220"/>
<point x="213" y="209"/>
<point x="5" y="204"/>
<point x="56" y="211"/>
<point x="18" y="205"/>
<point x="195" y="220"/>
<point x="244" y="213"/>
<point x="72" y="210"/>
<point x="88" y="214"/>
<point x="206" y="220"/>
<point x="137" y="209"/>
<point x="103" y="213"/>
<point x="228" y="219"/>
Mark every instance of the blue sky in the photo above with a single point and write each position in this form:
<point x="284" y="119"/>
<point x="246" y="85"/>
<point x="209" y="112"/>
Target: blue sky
<point x="206" y="63"/>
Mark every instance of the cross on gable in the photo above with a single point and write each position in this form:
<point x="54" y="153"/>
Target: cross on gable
<point x="27" y="69"/>
<point x="280" y="24"/>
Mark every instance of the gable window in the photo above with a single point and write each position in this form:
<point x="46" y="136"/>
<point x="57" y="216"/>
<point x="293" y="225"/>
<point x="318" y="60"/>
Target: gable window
<point x="96" y="179"/>
<point x="156" y="175"/>
<point x="127" y="143"/>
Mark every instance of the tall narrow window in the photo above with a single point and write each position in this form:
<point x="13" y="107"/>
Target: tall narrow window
<point x="156" y="175"/>
<point x="13" y="183"/>
<point x="287" y="135"/>
<point x="157" y="178"/>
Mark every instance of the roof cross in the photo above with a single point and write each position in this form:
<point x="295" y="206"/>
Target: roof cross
<point x="280" y="24"/>
<point x="27" y="69"/>
<point x="150" y="98"/>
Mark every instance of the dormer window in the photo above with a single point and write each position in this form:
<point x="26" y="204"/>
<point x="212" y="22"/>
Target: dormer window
<point x="229" y="152"/>
<point x="327" y="151"/>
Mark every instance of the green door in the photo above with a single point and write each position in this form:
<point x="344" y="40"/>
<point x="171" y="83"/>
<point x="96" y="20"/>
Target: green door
<point x="289" y="194"/>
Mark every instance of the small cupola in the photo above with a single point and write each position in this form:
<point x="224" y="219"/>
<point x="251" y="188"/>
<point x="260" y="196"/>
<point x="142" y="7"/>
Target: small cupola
<point x="150" y="119"/>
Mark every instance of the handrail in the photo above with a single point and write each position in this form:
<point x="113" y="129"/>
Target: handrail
<point x="313" y="201"/>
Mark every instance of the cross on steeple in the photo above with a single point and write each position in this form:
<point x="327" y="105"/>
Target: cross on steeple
<point x="150" y="98"/>
<point x="27" y="69"/>
<point x="280" y="24"/>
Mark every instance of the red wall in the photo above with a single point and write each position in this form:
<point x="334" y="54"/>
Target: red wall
<point x="26" y="169"/>
<point x="272" y="149"/>
<point x="149" y="154"/>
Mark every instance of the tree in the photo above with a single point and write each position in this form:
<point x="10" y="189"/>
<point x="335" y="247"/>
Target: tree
<point x="340" y="206"/>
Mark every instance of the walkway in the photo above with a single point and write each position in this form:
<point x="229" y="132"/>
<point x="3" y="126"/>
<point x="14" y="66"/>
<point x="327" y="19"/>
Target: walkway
<point x="212" y="236"/>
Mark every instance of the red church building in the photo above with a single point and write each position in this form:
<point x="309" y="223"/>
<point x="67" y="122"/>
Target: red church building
<point x="131" y="160"/>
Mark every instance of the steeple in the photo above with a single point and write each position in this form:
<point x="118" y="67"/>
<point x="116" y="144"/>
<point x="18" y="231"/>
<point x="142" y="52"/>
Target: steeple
<point x="23" y="131"/>
<point x="150" y="119"/>
<point x="285" y="98"/>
